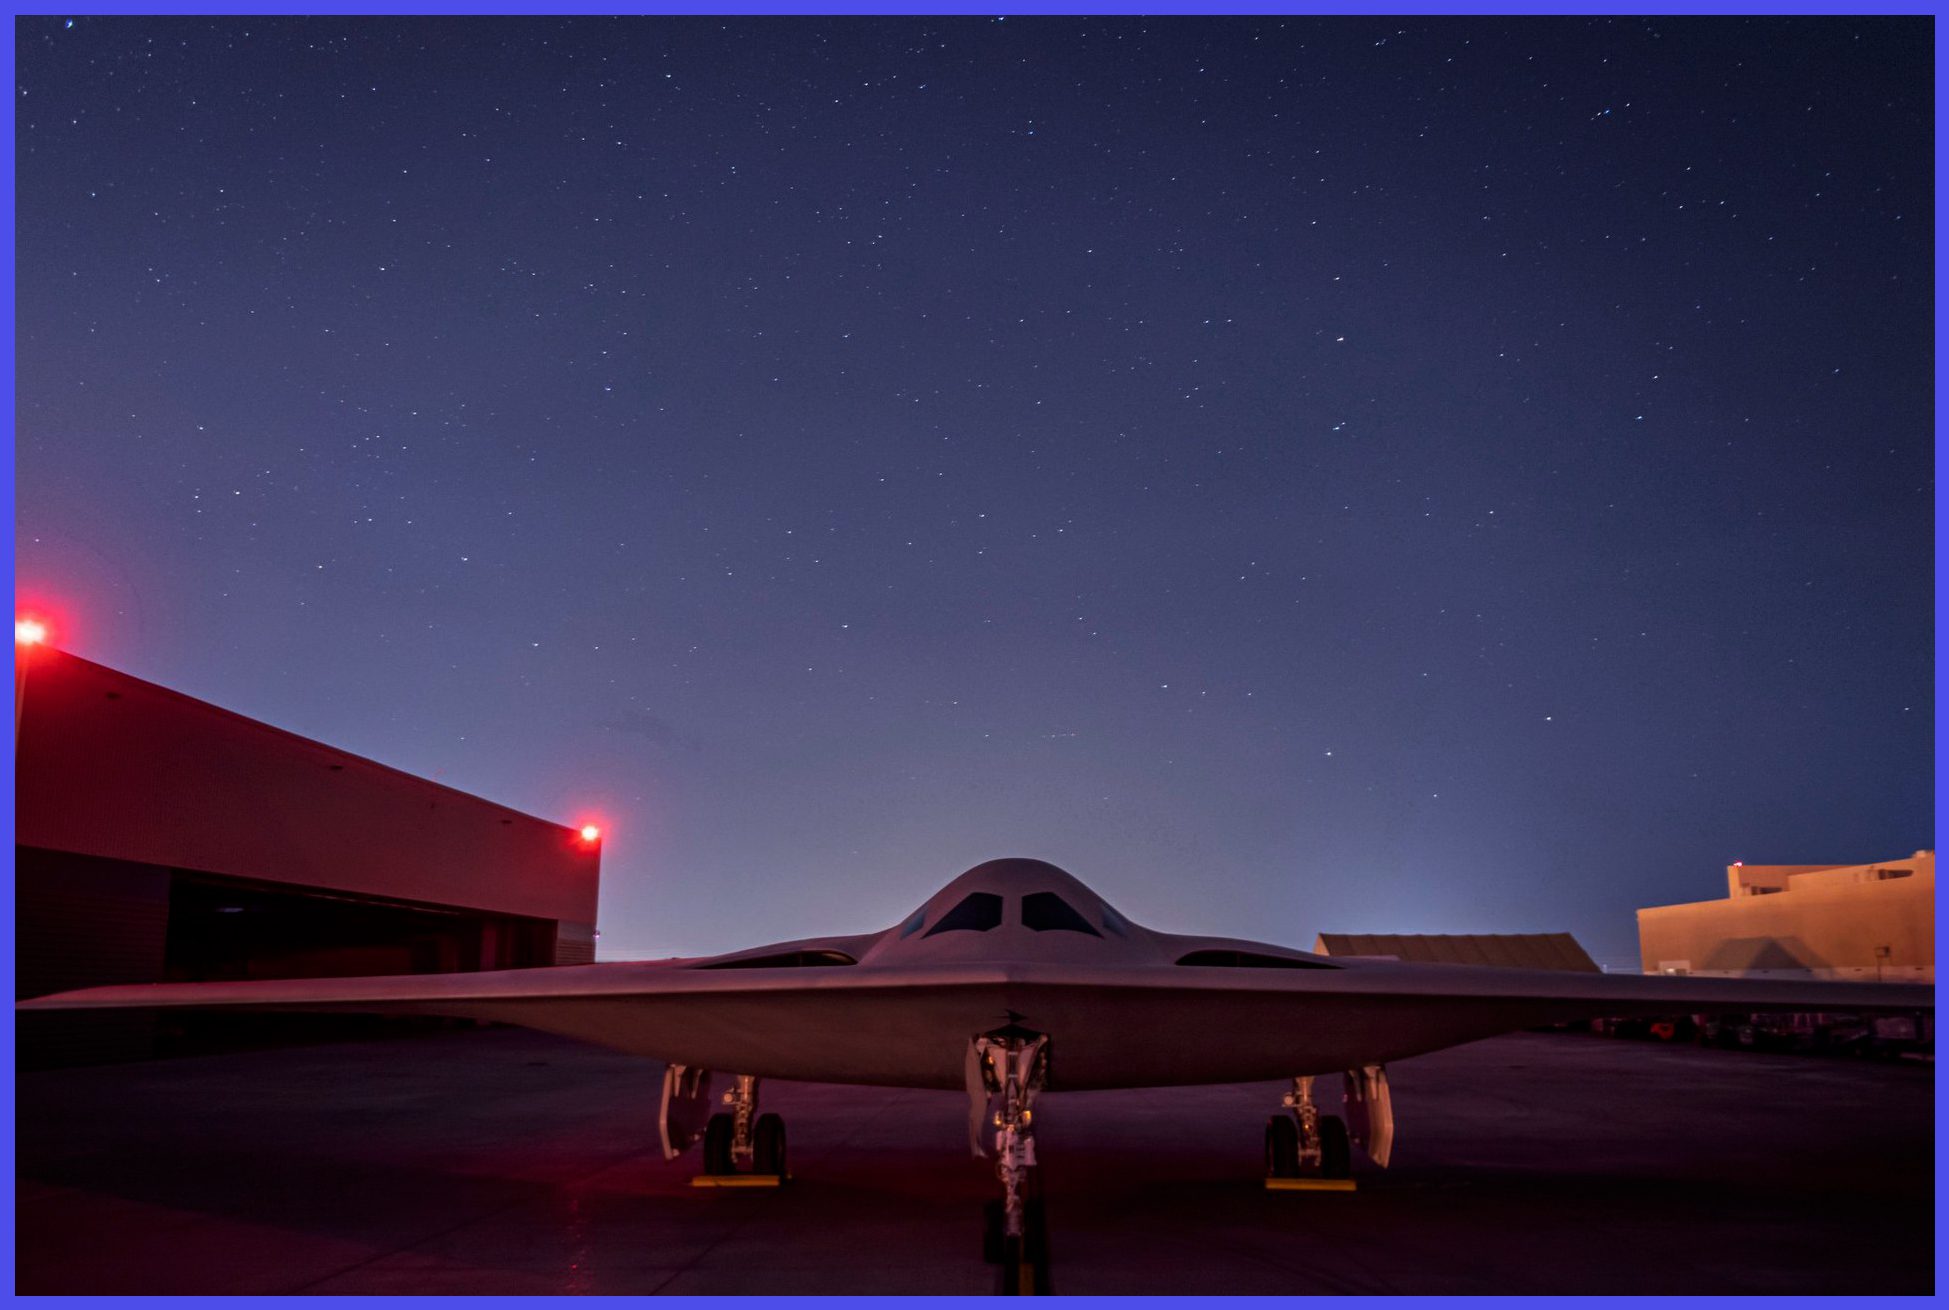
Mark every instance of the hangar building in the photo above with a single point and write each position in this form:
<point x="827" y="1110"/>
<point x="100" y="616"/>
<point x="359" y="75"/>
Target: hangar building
<point x="1869" y="922"/>
<point x="161" y="838"/>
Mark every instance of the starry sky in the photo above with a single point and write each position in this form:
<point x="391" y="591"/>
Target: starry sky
<point x="1299" y="474"/>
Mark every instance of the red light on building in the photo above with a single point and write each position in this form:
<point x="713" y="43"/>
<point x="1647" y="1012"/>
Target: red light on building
<point x="590" y="833"/>
<point x="29" y="632"/>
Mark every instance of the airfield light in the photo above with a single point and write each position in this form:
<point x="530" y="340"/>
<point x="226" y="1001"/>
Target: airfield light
<point x="29" y="632"/>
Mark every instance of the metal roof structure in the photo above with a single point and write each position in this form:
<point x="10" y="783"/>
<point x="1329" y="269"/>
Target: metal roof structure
<point x="1514" y="950"/>
<point x="160" y="837"/>
<point x="113" y="767"/>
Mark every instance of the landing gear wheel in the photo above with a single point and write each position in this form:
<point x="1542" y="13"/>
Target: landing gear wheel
<point x="1025" y="1259"/>
<point x="768" y="1146"/>
<point x="1281" y="1147"/>
<point x="1018" y="1272"/>
<point x="1038" y="1242"/>
<point x="992" y="1223"/>
<point x="1336" y="1152"/>
<point x="717" y="1145"/>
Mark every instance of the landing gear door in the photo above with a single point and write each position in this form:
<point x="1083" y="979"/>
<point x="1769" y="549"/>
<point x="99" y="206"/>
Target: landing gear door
<point x="686" y="1108"/>
<point x="1370" y="1112"/>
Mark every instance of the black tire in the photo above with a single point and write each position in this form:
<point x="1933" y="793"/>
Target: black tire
<point x="1023" y="1273"/>
<point x="1014" y="1268"/>
<point x="717" y="1145"/>
<point x="768" y="1146"/>
<point x="1336" y="1152"/>
<point x="1035" y="1236"/>
<point x="1281" y="1147"/>
<point x="1035" y="1231"/>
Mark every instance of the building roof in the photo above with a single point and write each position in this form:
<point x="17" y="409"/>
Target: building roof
<point x="1513" y="950"/>
<point x="114" y="767"/>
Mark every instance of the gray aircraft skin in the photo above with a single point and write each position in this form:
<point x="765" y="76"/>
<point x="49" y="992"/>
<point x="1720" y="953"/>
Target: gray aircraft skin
<point x="1121" y="1005"/>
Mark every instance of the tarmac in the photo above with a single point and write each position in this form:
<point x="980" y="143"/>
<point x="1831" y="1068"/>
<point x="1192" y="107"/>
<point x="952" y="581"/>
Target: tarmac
<point x="501" y="1161"/>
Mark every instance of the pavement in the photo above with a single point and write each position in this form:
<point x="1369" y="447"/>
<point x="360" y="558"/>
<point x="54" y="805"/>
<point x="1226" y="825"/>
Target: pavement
<point x="501" y="1161"/>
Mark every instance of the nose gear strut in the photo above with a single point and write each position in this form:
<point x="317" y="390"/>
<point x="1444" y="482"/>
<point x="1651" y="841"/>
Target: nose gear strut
<point x="1006" y="1069"/>
<point x="743" y="1100"/>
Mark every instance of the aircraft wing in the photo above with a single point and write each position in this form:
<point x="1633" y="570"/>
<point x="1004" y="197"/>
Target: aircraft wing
<point x="910" y="1025"/>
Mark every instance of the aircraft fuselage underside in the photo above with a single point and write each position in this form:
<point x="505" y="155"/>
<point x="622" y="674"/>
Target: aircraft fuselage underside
<point x="1108" y="1037"/>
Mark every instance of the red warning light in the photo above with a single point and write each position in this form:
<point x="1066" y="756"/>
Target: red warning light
<point x="29" y="632"/>
<point x="590" y="832"/>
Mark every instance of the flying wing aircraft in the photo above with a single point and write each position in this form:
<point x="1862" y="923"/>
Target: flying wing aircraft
<point x="1012" y="980"/>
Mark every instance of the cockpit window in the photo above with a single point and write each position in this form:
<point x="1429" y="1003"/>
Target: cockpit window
<point x="1115" y="922"/>
<point x="912" y="926"/>
<point x="1046" y="911"/>
<point x="979" y="912"/>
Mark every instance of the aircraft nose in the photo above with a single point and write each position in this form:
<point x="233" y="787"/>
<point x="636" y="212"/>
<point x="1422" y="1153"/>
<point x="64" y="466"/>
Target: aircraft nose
<point x="1011" y="908"/>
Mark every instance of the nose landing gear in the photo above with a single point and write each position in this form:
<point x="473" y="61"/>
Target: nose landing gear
<point x="1006" y="1070"/>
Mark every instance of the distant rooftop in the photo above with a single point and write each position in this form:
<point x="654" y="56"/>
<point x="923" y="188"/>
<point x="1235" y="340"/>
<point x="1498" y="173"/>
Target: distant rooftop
<point x="1515" y="950"/>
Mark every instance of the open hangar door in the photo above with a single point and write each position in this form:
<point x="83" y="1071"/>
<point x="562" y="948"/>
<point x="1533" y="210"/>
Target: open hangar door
<point x="223" y="929"/>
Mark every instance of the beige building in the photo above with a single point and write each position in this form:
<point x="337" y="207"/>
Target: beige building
<point x="1866" y="922"/>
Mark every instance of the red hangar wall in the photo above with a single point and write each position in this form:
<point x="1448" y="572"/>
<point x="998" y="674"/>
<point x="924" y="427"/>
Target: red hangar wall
<point x="162" y="838"/>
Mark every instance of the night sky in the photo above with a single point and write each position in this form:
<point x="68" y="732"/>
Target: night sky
<point x="1416" y="475"/>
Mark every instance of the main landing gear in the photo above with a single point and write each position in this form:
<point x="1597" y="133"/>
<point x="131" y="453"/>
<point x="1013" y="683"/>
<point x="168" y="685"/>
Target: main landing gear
<point x="743" y="1147"/>
<point x="1305" y="1145"/>
<point x="1006" y="1069"/>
